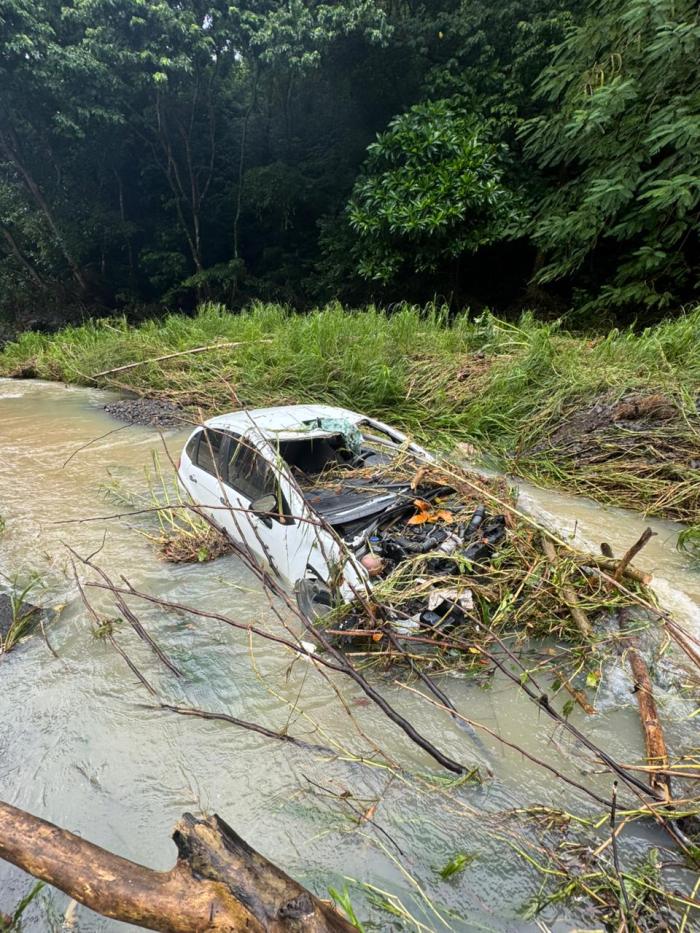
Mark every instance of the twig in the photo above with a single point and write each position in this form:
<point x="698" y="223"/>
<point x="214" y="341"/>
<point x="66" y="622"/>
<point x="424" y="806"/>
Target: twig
<point x="517" y="748"/>
<point x="133" y="621"/>
<point x="629" y="556"/>
<point x="244" y="724"/>
<point x="112" y="640"/>
<point x="363" y="816"/>
<point x="170" y="356"/>
<point x="616" y="857"/>
<point x="93" y="441"/>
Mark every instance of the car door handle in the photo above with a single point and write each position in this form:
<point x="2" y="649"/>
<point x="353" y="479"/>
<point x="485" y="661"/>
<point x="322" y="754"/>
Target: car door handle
<point x="193" y="480"/>
<point x="222" y="500"/>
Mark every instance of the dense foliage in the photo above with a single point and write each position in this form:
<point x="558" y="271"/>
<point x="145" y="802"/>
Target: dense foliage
<point x="623" y="135"/>
<point x="432" y="191"/>
<point x="158" y="153"/>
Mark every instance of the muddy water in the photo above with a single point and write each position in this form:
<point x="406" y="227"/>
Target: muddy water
<point x="82" y="745"/>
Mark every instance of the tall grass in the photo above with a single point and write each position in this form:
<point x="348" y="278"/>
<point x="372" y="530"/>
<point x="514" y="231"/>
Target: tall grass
<point x="444" y="378"/>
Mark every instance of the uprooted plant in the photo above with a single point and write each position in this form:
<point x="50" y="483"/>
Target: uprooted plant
<point x="18" y="616"/>
<point x="178" y="533"/>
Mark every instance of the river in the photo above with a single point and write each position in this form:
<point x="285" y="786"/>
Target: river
<point x="82" y="745"/>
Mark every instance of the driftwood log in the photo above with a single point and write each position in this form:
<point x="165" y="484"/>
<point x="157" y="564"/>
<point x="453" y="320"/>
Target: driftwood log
<point x="654" y="741"/>
<point x="218" y="884"/>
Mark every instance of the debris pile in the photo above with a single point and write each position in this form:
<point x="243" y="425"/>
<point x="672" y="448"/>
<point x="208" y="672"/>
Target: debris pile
<point x="641" y="451"/>
<point x="457" y="559"/>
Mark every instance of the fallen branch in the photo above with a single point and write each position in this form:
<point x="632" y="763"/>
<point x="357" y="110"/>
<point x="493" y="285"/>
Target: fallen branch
<point x="656" y="752"/>
<point x="218" y="884"/>
<point x="632" y="552"/>
<point x="570" y="597"/>
<point x="612" y="565"/>
<point x="170" y="356"/>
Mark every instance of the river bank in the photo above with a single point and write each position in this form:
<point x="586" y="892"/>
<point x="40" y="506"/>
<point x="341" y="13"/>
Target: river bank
<point x="614" y="418"/>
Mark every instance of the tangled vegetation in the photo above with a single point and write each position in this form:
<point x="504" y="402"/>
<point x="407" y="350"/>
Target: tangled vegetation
<point x="18" y="616"/>
<point x="178" y="534"/>
<point x="613" y="417"/>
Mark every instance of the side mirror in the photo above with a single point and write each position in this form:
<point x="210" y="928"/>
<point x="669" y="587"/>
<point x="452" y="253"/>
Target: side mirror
<point x="263" y="506"/>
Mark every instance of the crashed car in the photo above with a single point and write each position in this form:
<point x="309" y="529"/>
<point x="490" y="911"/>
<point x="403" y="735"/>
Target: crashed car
<point x="311" y="492"/>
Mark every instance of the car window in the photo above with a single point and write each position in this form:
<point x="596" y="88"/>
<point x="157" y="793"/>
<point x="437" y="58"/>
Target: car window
<point x="248" y="472"/>
<point x="192" y="444"/>
<point x="210" y="445"/>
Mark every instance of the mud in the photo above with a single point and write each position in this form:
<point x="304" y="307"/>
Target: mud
<point x="608" y="429"/>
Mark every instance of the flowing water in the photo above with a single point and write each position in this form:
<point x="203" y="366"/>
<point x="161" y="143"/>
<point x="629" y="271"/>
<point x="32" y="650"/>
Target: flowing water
<point x="82" y="744"/>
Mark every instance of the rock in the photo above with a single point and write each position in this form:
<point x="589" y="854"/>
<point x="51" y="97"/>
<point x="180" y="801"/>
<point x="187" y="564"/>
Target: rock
<point x="152" y="412"/>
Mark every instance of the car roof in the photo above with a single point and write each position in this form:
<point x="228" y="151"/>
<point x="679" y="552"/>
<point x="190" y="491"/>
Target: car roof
<point x="281" y="419"/>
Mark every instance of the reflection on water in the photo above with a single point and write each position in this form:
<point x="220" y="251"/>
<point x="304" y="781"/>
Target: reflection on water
<point x="83" y="744"/>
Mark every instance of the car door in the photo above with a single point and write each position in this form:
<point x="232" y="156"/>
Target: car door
<point x="202" y="476"/>
<point x="259" y="513"/>
<point x="307" y="548"/>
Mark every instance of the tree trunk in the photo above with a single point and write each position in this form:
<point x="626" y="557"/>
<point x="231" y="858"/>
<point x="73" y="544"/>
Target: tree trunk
<point x="218" y="884"/>
<point x="21" y="258"/>
<point x="10" y="147"/>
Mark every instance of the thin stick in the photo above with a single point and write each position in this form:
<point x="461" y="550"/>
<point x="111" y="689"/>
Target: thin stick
<point x="517" y="748"/>
<point x="629" y="556"/>
<point x="616" y="857"/>
<point x="170" y="356"/>
<point x="244" y="724"/>
<point x="91" y="442"/>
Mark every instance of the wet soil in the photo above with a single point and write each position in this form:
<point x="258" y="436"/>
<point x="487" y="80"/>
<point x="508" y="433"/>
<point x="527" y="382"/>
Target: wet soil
<point x="151" y="412"/>
<point x="609" y="429"/>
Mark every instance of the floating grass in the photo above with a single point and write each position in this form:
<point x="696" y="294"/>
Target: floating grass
<point x="177" y="532"/>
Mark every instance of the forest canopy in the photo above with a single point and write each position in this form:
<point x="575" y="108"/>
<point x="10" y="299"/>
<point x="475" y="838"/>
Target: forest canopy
<point x="528" y="154"/>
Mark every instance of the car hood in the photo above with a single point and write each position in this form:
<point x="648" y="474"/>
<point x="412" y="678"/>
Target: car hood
<point x="349" y="502"/>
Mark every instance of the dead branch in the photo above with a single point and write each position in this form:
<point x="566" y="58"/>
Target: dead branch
<point x="654" y="740"/>
<point x="629" y="556"/>
<point x="570" y="597"/>
<point x="219" y="884"/>
<point x="170" y="356"/>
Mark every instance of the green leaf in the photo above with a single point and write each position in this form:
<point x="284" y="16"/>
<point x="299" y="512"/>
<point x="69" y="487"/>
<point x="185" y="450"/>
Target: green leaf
<point x="456" y="864"/>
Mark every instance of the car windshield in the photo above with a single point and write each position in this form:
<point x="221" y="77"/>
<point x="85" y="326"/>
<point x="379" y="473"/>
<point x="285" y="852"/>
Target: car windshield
<point x="335" y="475"/>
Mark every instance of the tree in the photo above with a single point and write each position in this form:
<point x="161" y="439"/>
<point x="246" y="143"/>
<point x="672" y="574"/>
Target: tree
<point x="620" y="140"/>
<point x="432" y="190"/>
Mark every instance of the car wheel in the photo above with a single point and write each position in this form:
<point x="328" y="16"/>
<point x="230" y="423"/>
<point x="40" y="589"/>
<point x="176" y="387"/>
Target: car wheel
<point x="313" y="598"/>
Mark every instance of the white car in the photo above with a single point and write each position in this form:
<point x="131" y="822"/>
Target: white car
<point x="253" y="473"/>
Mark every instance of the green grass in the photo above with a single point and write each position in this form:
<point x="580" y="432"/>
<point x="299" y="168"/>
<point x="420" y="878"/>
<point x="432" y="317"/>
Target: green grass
<point x="446" y="379"/>
<point x="23" y="615"/>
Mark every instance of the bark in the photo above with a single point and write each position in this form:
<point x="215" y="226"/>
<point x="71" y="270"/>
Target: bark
<point x="655" y="743"/>
<point x="217" y="884"/>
